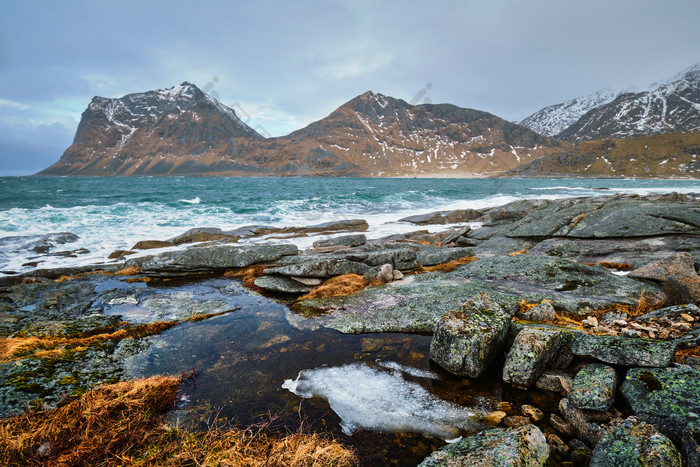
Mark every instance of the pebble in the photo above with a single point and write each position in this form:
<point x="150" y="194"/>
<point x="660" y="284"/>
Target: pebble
<point x="534" y="413"/>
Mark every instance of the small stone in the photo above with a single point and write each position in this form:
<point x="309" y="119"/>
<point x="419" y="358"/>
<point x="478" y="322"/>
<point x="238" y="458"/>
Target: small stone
<point x="592" y="320"/>
<point x="687" y="317"/>
<point x="312" y="281"/>
<point x="560" y="425"/>
<point x="398" y="275"/>
<point x="620" y="322"/>
<point x="495" y="417"/>
<point x="555" y="381"/>
<point x="516" y="420"/>
<point x="542" y="313"/>
<point x="534" y="413"/>
<point x="557" y="446"/>
<point x="504" y="406"/>
<point x="386" y="273"/>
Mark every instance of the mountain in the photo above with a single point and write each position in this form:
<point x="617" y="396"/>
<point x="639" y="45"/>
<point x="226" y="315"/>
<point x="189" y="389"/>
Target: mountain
<point x="183" y="131"/>
<point x="554" y="119"/>
<point x="666" y="155"/>
<point x="669" y="106"/>
<point x="146" y="133"/>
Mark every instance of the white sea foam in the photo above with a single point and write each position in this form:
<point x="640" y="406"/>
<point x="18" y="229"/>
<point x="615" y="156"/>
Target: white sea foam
<point x="191" y="201"/>
<point x="367" y="398"/>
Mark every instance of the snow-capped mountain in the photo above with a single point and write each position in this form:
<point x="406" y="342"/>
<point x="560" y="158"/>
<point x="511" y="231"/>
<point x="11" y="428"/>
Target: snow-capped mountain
<point x="183" y="131"/>
<point x="554" y="119"/>
<point x="668" y="106"/>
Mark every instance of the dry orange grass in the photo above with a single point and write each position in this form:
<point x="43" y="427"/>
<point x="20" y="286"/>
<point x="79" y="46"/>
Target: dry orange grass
<point x="340" y="285"/>
<point x="612" y="265"/>
<point x="248" y="275"/>
<point x="516" y="253"/>
<point x="122" y="424"/>
<point x="682" y="354"/>
<point x="449" y="266"/>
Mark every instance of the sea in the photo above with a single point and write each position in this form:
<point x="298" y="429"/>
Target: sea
<point x="113" y="213"/>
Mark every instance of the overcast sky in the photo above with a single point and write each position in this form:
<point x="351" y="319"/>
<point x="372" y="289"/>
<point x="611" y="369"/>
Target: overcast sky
<point x="284" y="64"/>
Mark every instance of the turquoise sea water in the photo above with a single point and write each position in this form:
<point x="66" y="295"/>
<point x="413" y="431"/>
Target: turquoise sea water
<point x="110" y="213"/>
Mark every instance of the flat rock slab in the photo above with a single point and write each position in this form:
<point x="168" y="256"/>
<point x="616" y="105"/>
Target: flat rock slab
<point x="635" y="442"/>
<point x="467" y="338"/>
<point x="680" y="264"/>
<point x="593" y="388"/>
<point x="521" y="446"/>
<point x="613" y="217"/>
<point x="625" y="351"/>
<point x="633" y="251"/>
<point x="281" y="284"/>
<point x="415" y="305"/>
<point x="534" y="351"/>
<point x="214" y="258"/>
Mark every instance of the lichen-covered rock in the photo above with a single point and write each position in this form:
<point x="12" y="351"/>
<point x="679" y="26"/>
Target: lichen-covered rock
<point x="624" y="350"/>
<point x="282" y="284"/>
<point x="586" y="424"/>
<point x="467" y="338"/>
<point x="323" y="268"/>
<point x="594" y="388"/>
<point x="635" y="442"/>
<point x="541" y="312"/>
<point x="344" y="241"/>
<point x="152" y="244"/>
<point x="523" y="446"/>
<point x="669" y="399"/>
<point x="436" y="255"/>
<point x="534" y="351"/>
<point x="213" y="258"/>
<point x="682" y="289"/>
<point x="680" y="264"/>
<point x="555" y="381"/>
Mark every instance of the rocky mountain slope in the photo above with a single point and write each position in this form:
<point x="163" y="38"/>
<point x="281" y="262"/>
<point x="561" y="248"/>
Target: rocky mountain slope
<point x="669" y="106"/>
<point x="667" y="155"/>
<point x="183" y="131"/>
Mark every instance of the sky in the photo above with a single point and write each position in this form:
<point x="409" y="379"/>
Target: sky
<point x="284" y="64"/>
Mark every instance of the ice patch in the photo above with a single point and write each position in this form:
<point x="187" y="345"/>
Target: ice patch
<point x="370" y="398"/>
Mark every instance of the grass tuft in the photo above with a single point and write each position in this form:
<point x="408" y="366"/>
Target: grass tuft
<point x="449" y="266"/>
<point x="340" y="285"/>
<point x="122" y="424"/>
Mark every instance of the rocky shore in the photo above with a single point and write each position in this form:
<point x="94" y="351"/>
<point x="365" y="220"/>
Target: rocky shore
<point x="595" y="299"/>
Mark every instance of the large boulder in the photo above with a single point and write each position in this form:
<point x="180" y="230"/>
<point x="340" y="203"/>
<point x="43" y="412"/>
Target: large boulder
<point x="534" y="351"/>
<point x="635" y="442"/>
<point x="626" y="351"/>
<point x="523" y="446"/>
<point x="443" y="217"/>
<point x="593" y="388"/>
<point x="682" y="289"/>
<point x="669" y="399"/>
<point x="213" y="258"/>
<point x="467" y="338"/>
<point x="680" y="264"/>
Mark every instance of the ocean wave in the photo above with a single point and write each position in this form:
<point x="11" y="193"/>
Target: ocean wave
<point x="191" y="201"/>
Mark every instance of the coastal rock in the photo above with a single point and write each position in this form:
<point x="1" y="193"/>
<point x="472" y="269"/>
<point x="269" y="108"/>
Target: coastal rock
<point x="555" y="381"/>
<point x="152" y="244"/>
<point x="680" y="264"/>
<point x="37" y="243"/>
<point x="624" y="350"/>
<point x="521" y="446"/>
<point x="593" y="388"/>
<point x="281" y="284"/>
<point x="443" y="217"/>
<point x="534" y="351"/>
<point x="345" y="241"/>
<point x="415" y="305"/>
<point x="467" y="338"/>
<point x="542" y="312"/>
<point x="455" y="235"/>
<point x="347" y="225"/>
<point x="668" y="398"/>
<point x="499" y="246"/>
<point x="633" y="252"/>
<point x="204" y="234"/>
<point x="433" y="256"/>
<point x="213" y="258"/>
<point x="386" y="273"/>
<point x="671" y="312"/>
<point x="323" y="268"/>
<point x="683" y="289"/>
<point x="635" y="442"/>
<point x="514" y="210"/>
<point x="611" y="217"/>
<point x="586" y="425"/>
<point x="119" y="254"/>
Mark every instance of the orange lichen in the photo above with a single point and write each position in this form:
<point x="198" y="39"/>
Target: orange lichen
<point x="340" y="285"/>
<point x="516" y="253"/>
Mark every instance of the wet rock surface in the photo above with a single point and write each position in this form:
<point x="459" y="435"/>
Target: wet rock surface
<point x="635" y="442"/>
<point x="625" y="351"/>
<point x="468" y="338"/>
<point x="524" y="445"/>
<point x="593" y="388"/>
